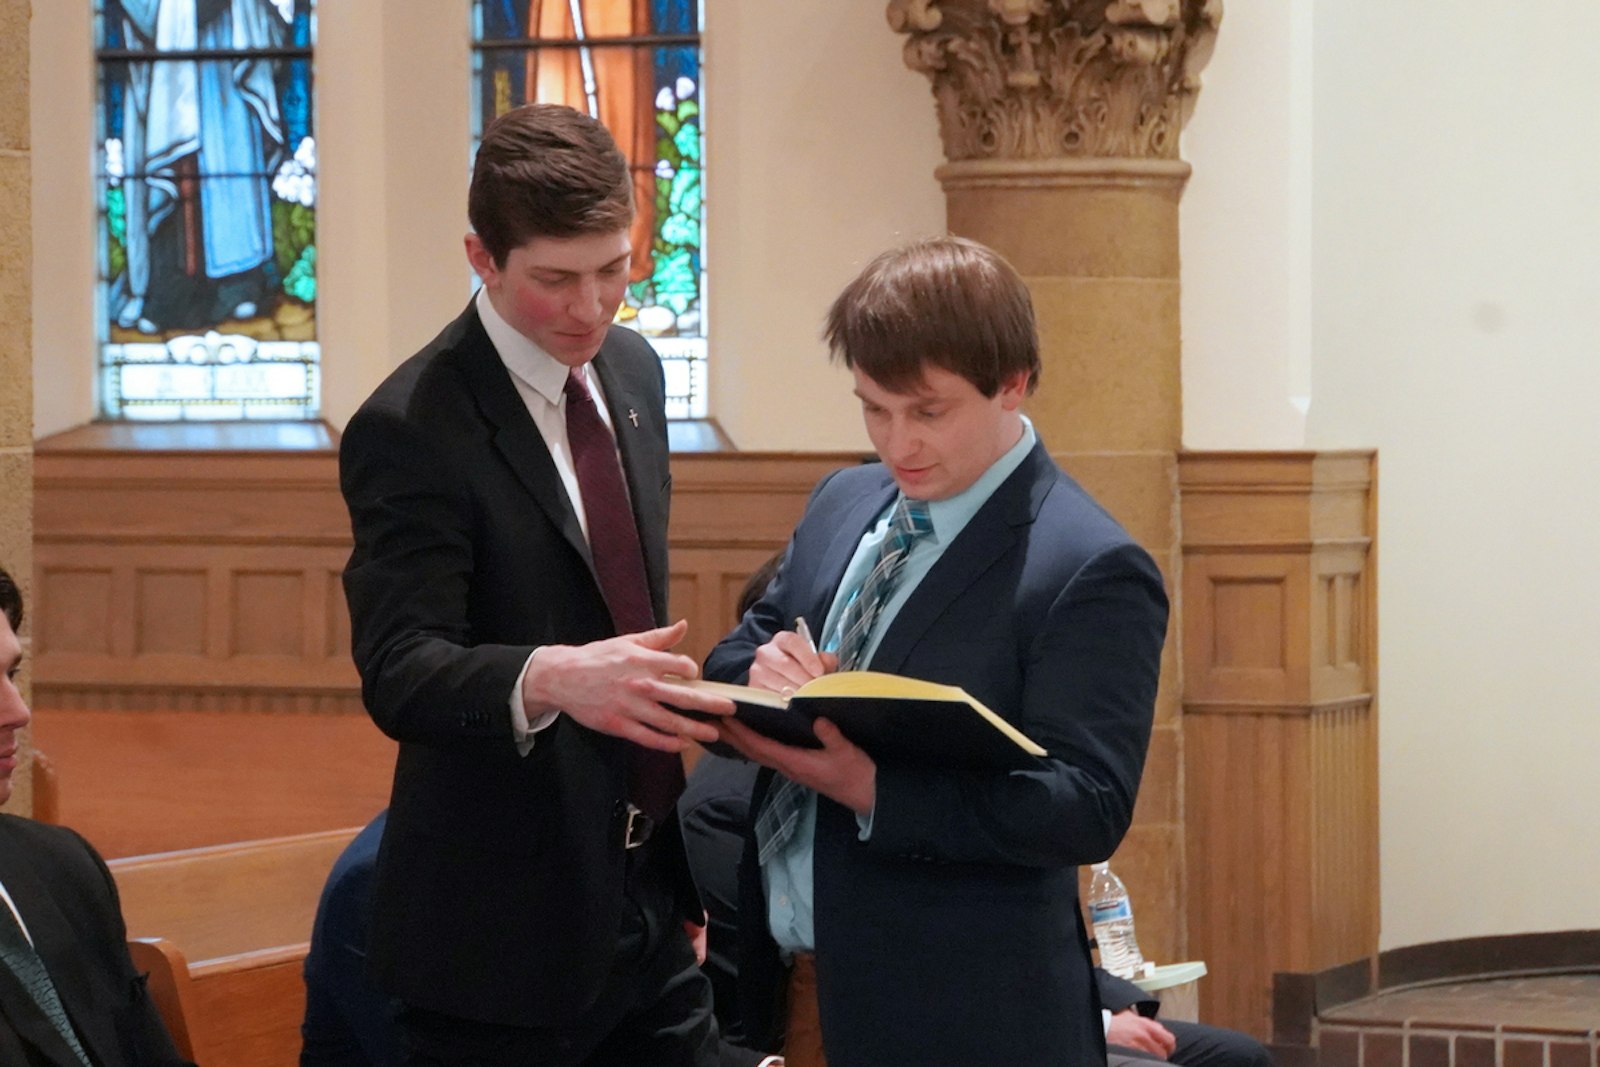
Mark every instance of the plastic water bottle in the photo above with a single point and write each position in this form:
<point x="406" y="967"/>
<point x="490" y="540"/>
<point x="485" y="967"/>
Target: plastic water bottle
<point x="1112" y="916"/>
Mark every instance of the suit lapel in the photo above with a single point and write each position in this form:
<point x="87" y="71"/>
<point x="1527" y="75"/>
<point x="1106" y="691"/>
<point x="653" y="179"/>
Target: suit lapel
<point x="515" y="435"/>
<point x="57" y="945"/>
<point x="991" y="533"/>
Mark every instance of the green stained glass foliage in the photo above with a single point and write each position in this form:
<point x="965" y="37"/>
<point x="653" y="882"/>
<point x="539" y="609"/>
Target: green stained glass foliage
<point x="208" y="199"/>
<point x="636" y="67"/>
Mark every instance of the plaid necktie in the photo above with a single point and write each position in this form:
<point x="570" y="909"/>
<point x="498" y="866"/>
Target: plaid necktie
<point x="18" y="955"/>
<point x="654" y="778"/>
<point x="909" y="524"/>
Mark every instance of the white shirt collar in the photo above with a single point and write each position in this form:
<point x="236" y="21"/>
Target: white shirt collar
<point x="542" y="372"/>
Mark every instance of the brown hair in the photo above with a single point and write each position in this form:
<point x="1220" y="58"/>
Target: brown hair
<point x="10" y="600"/>
<point x="757" y="584"/>
<point x="945" y="301"/>
<point x="545" y="170"/>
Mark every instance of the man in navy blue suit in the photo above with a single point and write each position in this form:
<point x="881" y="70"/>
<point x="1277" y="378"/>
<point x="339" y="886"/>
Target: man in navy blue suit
<point x="932" y="914"/>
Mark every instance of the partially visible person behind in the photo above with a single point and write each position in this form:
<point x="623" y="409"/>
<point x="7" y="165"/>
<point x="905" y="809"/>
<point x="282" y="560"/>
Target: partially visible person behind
<point x="1135" y="1032"/>
<point x="69" y="995"/>
<point x="348" y="1021"/>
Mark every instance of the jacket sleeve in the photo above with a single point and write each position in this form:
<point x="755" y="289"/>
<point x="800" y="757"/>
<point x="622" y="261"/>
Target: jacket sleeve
<point x="408" y="583"/>
<point x="1118" y="994"/>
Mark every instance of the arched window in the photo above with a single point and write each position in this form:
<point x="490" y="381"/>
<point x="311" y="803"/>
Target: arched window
<point x="208" y="193"/>
<point x="634" y="65"/>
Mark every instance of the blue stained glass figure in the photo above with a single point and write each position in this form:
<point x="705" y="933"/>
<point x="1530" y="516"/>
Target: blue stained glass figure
<point x="209" y="209"/>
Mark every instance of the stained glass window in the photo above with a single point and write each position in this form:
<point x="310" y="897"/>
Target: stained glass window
<point x="635" y="66"/>
<point x="208" y="197"/>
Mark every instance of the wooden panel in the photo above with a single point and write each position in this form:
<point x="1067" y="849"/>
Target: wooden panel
<point x="208" y="578"/>
<point x="83" y="621"/>
<point x="227" y="899"/>
<point x="171" y="606"/>
<point x="157" y="781"/>
<point x="191" y="576"/>
<point x="252" y="1015"/>
<point x="1279" y="737"/>
<point x="239" y="1011"/>
<point x="266" y="613"/>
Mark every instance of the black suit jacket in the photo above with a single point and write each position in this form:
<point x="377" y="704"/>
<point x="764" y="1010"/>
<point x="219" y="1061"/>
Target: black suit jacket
<point x="952" y="936"/>
<point x="66" y="897"/>
<point x="499" y="885"/>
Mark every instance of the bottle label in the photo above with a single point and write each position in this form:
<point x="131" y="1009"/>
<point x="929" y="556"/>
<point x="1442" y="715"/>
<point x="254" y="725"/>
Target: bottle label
<point x="1111" y="911"/>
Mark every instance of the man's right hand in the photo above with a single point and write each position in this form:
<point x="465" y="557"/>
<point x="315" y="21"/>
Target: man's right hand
<point x="787" y="662"/>
<point x="619" y="686"/>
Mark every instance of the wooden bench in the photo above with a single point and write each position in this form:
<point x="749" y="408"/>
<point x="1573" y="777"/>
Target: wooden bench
<point x="223" y="932"/>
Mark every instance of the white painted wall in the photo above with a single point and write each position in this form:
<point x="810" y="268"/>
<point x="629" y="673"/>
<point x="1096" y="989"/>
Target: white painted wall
<point x="1457" y="328"/>
<point x="1244" y="234"/>
<point x="1449" y="224"/>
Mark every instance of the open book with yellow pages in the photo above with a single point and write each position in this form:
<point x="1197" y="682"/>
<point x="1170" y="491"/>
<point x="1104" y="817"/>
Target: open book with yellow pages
<point x="890" y="717"/>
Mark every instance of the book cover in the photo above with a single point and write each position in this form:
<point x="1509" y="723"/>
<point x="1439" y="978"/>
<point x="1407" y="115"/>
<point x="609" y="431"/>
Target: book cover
<point x="889" y="716"/>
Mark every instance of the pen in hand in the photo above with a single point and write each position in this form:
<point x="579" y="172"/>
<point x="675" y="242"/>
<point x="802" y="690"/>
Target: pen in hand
<point x="804" y="631"/>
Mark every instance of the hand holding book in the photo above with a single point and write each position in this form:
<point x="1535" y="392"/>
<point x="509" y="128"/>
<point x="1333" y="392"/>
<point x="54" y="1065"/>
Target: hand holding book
<point x="888" y="716"/>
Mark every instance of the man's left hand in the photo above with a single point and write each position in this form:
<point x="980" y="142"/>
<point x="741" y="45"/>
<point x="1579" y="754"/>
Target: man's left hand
<point x="1131" y="1030"/>
<point x="839" y="770"/>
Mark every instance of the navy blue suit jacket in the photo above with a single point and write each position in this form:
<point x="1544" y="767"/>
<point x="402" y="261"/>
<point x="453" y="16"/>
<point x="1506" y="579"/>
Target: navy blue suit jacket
<point x="953" y="935"/>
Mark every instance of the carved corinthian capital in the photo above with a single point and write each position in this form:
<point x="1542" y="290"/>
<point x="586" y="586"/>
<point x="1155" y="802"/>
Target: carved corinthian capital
<point x="1040" y="79"/>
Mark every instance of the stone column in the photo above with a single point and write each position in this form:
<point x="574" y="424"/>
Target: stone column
<point x="16" y="320"/>
<point x="1060" y="121"/>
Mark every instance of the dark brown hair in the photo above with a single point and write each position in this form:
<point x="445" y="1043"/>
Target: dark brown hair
<point x="10" y="600"/>
<point x="757" y="584"/>
<point x="545" y="170"/>
<point x="945" y="301"/>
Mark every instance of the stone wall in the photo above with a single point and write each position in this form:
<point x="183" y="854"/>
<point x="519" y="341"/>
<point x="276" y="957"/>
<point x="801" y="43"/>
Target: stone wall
<point x="16" y="317"/>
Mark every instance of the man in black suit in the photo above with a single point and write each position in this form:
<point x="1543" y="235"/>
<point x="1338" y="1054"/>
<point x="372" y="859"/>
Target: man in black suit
<point x="507" y="591"/>
<point x="69" y="996"/>
<point x="930" y="913"/>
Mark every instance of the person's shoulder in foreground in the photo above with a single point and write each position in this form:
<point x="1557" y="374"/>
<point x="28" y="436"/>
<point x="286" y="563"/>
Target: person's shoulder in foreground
<point x="69" y="993"/>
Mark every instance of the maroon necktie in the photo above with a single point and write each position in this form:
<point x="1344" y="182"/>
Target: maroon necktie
<point x="654" y="778"/>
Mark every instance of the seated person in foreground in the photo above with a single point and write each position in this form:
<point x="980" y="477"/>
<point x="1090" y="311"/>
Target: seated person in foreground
<point x="1134" y="1032"/>
<point x="349" y="1022"/>
<point x="69" y="996"/>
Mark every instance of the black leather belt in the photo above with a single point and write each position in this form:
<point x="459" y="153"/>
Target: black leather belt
<point x="637" y="830"/>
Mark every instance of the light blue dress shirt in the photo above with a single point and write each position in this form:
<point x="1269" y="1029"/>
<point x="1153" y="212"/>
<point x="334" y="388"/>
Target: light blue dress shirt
<point x="787" y="877"/>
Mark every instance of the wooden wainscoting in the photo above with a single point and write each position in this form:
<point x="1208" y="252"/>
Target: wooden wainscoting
<point x="197" y="567"/>
<point x="1280" y="729"/>
<point x="191" y="567"/>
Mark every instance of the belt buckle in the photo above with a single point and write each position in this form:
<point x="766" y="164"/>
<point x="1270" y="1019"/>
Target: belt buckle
<point x="638" y="828"/>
